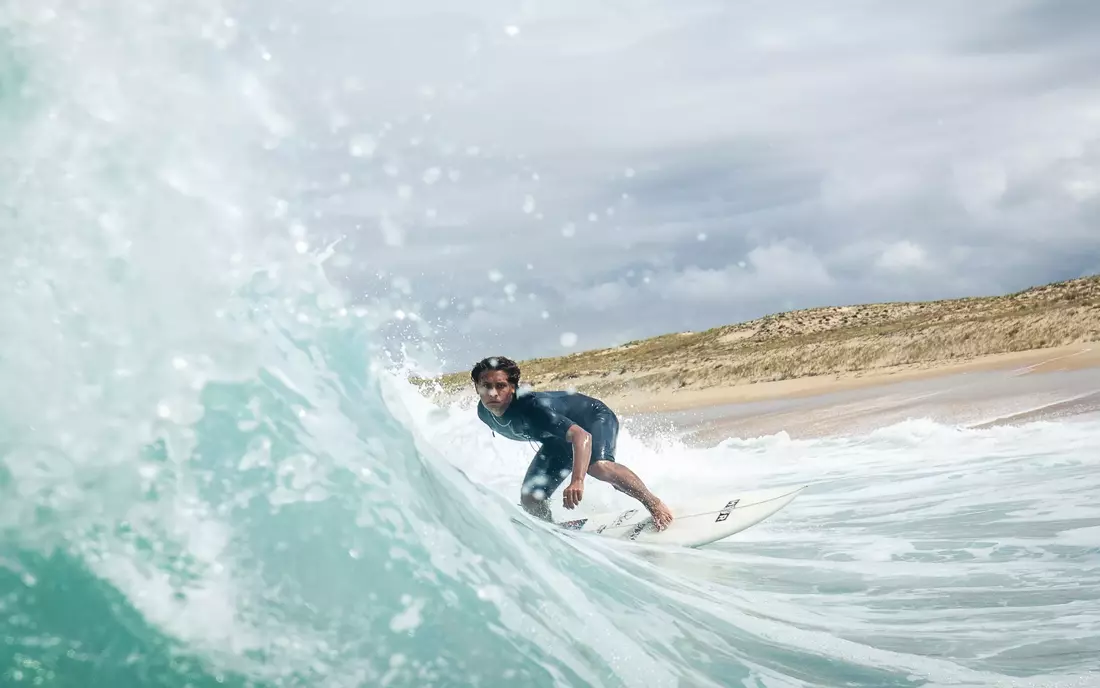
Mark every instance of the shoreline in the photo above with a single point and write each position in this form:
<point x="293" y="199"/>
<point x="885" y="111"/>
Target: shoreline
<point x="981" y="394"/>
<point x="1063" y="358"/>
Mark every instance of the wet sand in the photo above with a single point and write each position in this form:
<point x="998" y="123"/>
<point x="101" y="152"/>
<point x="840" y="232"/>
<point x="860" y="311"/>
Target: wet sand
<point x="1071" y="357"/>
<point x="975" y="399"/>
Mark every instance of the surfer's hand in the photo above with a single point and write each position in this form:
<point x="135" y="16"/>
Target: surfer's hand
<point x="573" y="494"/>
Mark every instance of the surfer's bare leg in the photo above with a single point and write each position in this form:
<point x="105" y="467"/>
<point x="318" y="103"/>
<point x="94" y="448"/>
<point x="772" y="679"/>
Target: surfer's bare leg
<point x="626" y="481"/>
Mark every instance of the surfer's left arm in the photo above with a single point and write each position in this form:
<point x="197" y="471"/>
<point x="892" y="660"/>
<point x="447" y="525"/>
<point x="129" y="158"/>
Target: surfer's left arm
<point x="581" y="440"/>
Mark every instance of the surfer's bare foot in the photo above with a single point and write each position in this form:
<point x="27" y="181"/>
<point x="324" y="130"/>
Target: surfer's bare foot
<point x="624" y="480"/>
<point x="662" y="517"/>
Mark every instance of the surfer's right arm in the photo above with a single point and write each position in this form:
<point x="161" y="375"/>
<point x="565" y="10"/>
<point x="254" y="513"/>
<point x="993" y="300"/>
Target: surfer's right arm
<point x="581" y="440"/>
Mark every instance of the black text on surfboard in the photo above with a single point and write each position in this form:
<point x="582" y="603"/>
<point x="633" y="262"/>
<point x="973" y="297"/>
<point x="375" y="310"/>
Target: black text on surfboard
<point x="725" y="512"/>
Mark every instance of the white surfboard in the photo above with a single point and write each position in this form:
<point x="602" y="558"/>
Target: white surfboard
<point x="695" y="522"/>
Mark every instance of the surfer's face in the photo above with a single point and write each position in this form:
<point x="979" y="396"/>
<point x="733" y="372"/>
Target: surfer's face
<point x="495" y="391"/>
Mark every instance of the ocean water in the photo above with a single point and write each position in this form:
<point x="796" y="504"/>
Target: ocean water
<point x="210" y="475"/>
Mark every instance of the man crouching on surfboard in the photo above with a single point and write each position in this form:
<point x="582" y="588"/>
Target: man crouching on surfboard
<point x="577" y="432"/>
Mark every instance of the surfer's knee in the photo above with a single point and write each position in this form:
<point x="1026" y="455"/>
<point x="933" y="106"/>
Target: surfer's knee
<point x="533" y="496"/>
<point x="601" y="470"/>
<point x="529" y="498"/>
<point x="534" y="490"/>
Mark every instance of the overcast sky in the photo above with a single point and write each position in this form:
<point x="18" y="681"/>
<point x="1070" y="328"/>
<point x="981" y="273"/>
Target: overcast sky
<point x="516" y="171"/>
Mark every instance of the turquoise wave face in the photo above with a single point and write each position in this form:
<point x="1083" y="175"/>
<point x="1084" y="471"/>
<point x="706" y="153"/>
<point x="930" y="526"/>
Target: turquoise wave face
<point x="209" y="476"/>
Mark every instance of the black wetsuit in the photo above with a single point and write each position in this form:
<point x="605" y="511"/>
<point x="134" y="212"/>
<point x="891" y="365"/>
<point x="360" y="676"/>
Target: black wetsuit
<point x="546" y="417"/>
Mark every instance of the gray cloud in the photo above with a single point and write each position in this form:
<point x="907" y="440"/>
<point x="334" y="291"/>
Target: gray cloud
<point x="631" y="169"/>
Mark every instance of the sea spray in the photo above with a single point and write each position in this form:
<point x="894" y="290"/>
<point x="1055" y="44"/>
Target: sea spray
<point x="208" y="477"/>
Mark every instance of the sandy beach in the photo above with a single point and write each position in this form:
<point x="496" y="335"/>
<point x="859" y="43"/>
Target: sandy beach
<point x="1052" y="385"/>
<point x="974" y="361"/>
<point x="1074" y="357"/>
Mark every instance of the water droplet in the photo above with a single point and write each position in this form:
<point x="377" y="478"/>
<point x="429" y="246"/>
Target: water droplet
<point x="568" y="339"/>
<point x="392" y="233"/>
<point x="569" y="230"/>
<point x="512" y="30"/>
<point x="337" y="121"/>
<point x="528" y="204"/>
<point x="362" y="146"/>
<point x="495" y="276"/>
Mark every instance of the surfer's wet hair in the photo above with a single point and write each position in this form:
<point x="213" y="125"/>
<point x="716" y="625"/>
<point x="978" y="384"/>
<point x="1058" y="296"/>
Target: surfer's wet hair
<point x="496" y="363"/>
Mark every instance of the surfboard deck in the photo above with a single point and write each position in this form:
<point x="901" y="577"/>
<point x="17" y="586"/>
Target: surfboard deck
<point x="695" y="522"/>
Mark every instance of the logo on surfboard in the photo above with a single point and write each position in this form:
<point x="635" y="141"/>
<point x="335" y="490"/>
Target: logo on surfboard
<point x="618" y="521"/>
<point x="726" y="510"/>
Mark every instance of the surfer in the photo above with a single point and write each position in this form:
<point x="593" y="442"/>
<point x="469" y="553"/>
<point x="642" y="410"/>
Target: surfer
<point x="577" y="433"/>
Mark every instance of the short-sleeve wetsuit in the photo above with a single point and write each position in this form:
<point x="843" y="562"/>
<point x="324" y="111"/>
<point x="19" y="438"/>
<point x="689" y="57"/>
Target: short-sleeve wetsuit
<point x="546" y="417"/>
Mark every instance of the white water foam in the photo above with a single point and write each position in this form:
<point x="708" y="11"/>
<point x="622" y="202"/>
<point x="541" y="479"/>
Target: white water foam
<point x="966" y="557"/>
